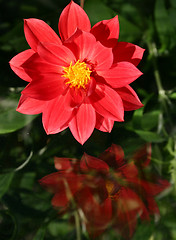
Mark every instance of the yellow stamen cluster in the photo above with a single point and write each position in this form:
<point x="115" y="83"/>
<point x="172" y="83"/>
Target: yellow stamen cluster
<point x="78" y="75"/>
<point x="111" y="189"/>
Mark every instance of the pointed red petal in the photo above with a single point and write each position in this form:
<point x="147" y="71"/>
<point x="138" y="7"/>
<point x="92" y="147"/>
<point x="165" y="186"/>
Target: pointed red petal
<point x="129" y="170"/>
<point x="38" y="31"/>
<point x="113" y="156"/>
<point x="62" y="163"/>
<point x="98" y="215"/>
<point x="121" y="74"/>
<point x="71" y="18"/>
<point x="142" y="156"/>
<point x="56" y="54"/>
<point x="92" y="163"/>
<point x="107" y="32"/>
<point x="129" y="98"/>
<point x="129" y="207"/>
<point x="30" y="105"/>
<point x="107" y="103"/>
<point x="36" y="65"/>
<point x="103" y="124"/>
<point x="83" y="123"/>
<point x="56" y="115"/>
<point x="128" y="52"/>
<point x="60" y="200"/>
<point x="46" y="87"/>
<point x="85" y="47"/>
<point x="52" y="182"/>
<point x="18" y="60"/>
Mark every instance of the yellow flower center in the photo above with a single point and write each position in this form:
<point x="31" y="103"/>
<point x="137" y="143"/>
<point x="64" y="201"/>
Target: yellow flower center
<point x="78" y="75"/>
<point x="112" y="189"/>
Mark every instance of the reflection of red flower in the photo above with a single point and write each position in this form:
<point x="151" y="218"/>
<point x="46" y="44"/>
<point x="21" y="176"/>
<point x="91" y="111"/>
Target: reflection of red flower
<point x="80" y="81"/>
<point x="109" y="191"/>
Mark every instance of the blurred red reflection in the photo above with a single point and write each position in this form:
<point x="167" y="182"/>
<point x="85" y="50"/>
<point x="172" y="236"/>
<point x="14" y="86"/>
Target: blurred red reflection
<point x="108" y="191"/>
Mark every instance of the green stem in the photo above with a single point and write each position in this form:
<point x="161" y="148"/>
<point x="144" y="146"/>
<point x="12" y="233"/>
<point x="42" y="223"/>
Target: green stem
<point x="161" y="92"/>
<point x="153" y="52"/>
<point x="82" y="3"/>
<point x="78" y="228"/>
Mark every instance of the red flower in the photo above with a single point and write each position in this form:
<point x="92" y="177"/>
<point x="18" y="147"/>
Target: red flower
<point x="108" y="191"/>
<point x="82" y="81"/>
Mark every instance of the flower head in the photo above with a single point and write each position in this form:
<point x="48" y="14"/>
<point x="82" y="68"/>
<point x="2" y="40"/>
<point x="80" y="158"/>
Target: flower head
<point x="80" y="81"/>
<point x="108" y="191"/>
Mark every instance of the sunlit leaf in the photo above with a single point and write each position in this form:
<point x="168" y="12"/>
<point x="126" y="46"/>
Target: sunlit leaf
<point x="173" y="95"/>
<point x="150" y="120"/>
<point x="10" y="119"/>
<point x="59" y="228"/>
<point x="150" y="136"/>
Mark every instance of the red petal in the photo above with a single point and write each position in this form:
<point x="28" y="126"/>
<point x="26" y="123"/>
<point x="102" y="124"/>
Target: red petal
<point x="76" y="96"/>
<point x="56" y="54"/>
<point x="29" y="105"/>
<point x="129" y="98"/>
<point x="46" y="87"/>
<point x="35" y="66"/>
<point x="121" y="74"/>
<point x="85" y="48"/>
<point x="56" y="115"/>
<point x="98" y="215"/>
<point x="103" y="124"/>
<point x="153" y="188"/>
<point x="129" y="207"/>
<point x="128" y="52"/>
<point x="113" y="156"/>
<point x="60" y="200"/>
<point x="107" y="103"/>
<point x="53" y="182"/>
<point x="62" y="163"/>
<point x="71" y="18"/>
<point x="129" y="170"/>
<point x="18" y="60"/>
<point x="142" y="156"/>
<point x="101" y="57"/>
<point x="92" y="163"/>
<point x="83" y="123"/>
<point x="107" y="32"/>
<point x="38" y="31"/>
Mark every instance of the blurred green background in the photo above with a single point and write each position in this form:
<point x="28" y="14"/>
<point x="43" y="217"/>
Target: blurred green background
<point x="27" y="153"/>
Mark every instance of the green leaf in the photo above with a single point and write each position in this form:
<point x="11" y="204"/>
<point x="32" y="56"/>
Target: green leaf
<point x="40" y="234"/>
<point x="137" y="118"/>
<point x="173" y="3"/>
<point x="144" y="231"/>
<point x="172" y="14"/>
<point x="150" y="120"/>
<point x="164" y="26"/>
<point x="97" y="11"/>
<point x="10" y="119"/>
<point x="129" y="32"/>
<point x="59" y="228"/>
<point x="5" y="180"/>
<point x="149" y="136"/>
<point x="173" y="95"/>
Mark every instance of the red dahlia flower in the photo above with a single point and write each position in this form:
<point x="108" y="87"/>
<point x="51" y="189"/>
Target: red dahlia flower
<point x="107" y="191"/>
<point x="80" y="81"/>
